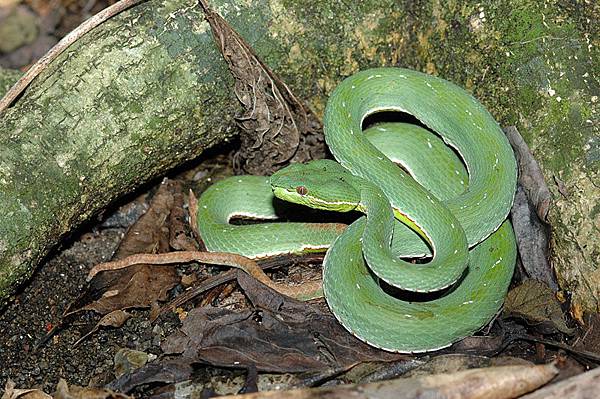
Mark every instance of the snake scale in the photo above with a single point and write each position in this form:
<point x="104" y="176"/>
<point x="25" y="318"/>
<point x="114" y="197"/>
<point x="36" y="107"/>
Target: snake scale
<point x="446" y="205"/>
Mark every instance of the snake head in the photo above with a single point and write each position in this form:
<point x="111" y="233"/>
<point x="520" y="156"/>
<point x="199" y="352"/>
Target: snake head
<point x="322" y="184"/>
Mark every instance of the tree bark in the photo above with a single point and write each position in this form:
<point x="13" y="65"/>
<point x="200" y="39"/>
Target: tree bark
<point x="130" y="100"/>
<point x="148" y="90"/>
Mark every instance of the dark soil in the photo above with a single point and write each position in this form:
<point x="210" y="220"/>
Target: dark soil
<point x="41" y="303"/>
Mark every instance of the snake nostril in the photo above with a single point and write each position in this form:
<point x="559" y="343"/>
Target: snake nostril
<point x="301" y="190"/>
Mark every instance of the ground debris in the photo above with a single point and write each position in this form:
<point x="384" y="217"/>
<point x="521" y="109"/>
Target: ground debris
<point x="535" y="302"/>
<point x="279" y="335"/>
<point x="66" y="391"/>
<point x="489" y="383"/>
<point x="141" y="285"/>
<point x="63" y="391"/>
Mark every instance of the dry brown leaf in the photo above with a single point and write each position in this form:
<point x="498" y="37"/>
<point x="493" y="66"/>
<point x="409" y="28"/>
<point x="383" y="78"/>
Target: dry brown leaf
<point x="134" y="287"/>
<point x="10" y="392"/>
<point x="141" y="285"/>
<point x="530" y="174"/>
<point x="535" y="302"/>
<point x="147" y="235"/>
<point x="66" y="391"/>
<point x="114" y="319"/>
<point x="276" y="127"/>
<point x="167" y="371"/>
<point x="533" y="240"/>
<point x="279" y="335"/>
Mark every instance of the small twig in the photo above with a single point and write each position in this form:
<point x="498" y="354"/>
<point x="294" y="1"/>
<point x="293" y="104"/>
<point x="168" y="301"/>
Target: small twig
<point x="213" y="258"/>
<point x="61" y="46"/>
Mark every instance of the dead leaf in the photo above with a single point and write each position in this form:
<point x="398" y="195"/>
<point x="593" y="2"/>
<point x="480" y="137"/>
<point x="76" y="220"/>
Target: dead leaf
<point x="577" y="313"/>
<point x="535" y="302"/>
<point x="378" y="371"/>
<point x="278" y="335"/>
<point x="135" y="287"/>
<point x="141" y="285"/>
<point x="114" y="319"/>
<point x="230" y="275"/>
<point x="533" y="240"/>
<point x="530" y="173"/>
<point x="193" y="211"/>
<point x="66" y="391"/>
<point x="167" y="371"/>
<point x="10" y="392"/>
<point x="147" y="236"/>
<point x="276" y="127"/>
<point x="485" y="345"/>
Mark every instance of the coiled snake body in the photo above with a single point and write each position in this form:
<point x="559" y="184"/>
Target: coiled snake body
<point x="433" y="205"/>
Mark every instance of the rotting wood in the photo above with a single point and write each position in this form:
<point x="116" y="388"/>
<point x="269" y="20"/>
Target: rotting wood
<point x="581" y="386"/>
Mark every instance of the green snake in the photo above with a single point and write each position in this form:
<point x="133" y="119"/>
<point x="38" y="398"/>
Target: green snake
<point x="448" y="210"/>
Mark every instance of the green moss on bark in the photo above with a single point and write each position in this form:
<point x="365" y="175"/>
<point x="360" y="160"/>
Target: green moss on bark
<point x="8" y="77"/>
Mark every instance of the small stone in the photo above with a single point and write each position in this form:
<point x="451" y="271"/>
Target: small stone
<point x="127" y="360"/>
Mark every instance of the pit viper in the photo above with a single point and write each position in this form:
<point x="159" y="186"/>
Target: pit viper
<point x="431" y="259"/>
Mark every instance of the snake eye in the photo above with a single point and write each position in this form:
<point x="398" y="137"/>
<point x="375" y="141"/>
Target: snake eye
<point x="302" y="190"/>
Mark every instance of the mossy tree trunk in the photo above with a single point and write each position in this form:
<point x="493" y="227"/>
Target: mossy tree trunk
<point x="149" y="90"/>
